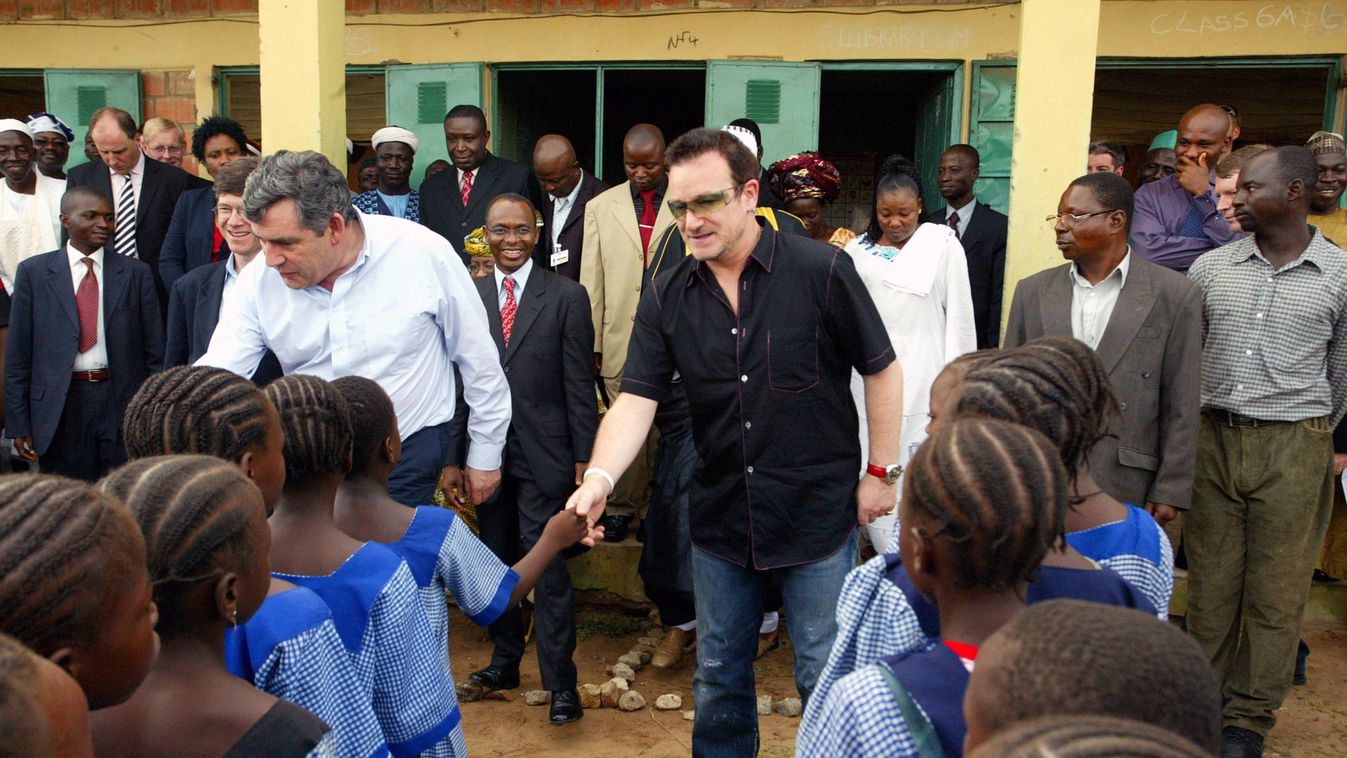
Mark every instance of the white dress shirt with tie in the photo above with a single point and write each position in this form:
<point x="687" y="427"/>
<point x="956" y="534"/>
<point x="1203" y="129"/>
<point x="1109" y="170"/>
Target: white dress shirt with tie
<point x="561" y="210"/>
<point x="137" y="179"/>
<point x="403" y="315"/>
<point x="965" y="214"/>
<point x="95" y="357"/>
<point x="1092" y="304"/>
<point x="521" y="278"/>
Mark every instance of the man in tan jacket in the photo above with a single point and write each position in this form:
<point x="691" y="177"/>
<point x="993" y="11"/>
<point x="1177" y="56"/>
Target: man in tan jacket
<point x="620" y="225"/>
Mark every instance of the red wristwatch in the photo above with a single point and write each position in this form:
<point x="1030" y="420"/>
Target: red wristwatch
<point x="888" y="473"/>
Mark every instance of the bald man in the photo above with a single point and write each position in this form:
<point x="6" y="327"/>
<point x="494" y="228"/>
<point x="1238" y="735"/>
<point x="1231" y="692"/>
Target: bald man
<point x="620" y="226"/>
<point x="567" y="190"/>
<point x="1176" y="217"/>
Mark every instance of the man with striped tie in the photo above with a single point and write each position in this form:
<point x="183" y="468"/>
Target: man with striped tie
<point x="1176" y="218"/>
<point x="84" y="333"/>
<point x="142" y="190"/>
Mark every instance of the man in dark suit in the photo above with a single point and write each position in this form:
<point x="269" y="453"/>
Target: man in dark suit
<point x="194" y="304"/>
<point x="84" y="332"/>
<point x="567" y="189"/>
<point x="541" y="325"/>
<point x="193" y="239"/>
<point x="142" y="191"/>
<point x="981" y="231"/>
<point x="1145" y="321"/>
<point x="453" y="203"/>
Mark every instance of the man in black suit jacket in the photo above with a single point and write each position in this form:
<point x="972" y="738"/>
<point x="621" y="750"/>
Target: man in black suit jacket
<point x="982" y="232"/>
<point x="547" y="358"/>
<point x="194" y="304"/>
<point x="477" y="173"/>
<point x="64" y="404"/>
<point x="156" y="186"/>
<point x="567" y="188"/>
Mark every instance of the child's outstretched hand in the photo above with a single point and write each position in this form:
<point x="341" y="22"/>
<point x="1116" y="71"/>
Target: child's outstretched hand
<point x="566" y="528"/>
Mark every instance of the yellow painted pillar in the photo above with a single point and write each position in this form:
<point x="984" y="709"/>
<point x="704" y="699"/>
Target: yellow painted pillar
<point x="303" y="67"/>
<point x="1054" y="95"/>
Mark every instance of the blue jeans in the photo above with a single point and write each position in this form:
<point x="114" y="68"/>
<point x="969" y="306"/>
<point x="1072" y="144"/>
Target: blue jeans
<point x="729" y="611"/>
<point x="424" y="455"/>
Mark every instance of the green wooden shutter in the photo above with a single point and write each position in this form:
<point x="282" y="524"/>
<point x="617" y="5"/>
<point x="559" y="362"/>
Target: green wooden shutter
<point x="937" y="129"/>
<point x="420" y="96"/>
<point x="782" y="97"/>
<point x="992" y="129"/>
<point x="74" y="95"/>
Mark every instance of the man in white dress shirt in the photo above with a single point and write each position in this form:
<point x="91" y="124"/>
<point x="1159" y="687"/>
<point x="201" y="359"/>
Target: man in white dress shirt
<point x="344" y="293"/>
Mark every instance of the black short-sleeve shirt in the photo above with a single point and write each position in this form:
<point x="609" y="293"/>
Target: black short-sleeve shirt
<point x="772" y="413"/>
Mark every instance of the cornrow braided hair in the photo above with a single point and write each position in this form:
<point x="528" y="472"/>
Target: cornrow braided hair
<point x="1087" y="737"/>
<point x="1048" y="385"/>
<point x="373" y="419"/>
<point x="317" y="426"/>
<point x="195" y="512"/>
<point x="982" y="485"/>
<point x="22" y="719"/>
<point x="65" y="548"/>
<point x="195" y="409"/>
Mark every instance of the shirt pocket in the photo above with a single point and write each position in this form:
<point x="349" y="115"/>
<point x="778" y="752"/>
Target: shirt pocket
<point x="792" y="359"/>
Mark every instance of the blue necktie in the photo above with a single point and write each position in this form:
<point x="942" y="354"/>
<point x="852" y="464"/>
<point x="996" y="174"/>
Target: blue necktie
<point x="1192" y="221"/>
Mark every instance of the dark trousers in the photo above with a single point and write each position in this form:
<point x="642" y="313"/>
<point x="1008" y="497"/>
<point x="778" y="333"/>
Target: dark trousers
<point x="424" y="455"/>
<point x="666" y="554"/>
<point x="88" y="441"/>
<point x="511" y="524"/>
<point x="1261" y="499"/>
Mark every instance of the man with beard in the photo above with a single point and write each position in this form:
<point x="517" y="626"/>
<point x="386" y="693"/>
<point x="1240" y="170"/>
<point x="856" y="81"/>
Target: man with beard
<point x="51" y="140"/>
<point x="394" y="153"/>
<point x="1176" y="218"/>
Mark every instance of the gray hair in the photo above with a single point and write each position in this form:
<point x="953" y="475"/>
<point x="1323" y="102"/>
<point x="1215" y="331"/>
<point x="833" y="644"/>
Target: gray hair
<point x="318" y="188"/>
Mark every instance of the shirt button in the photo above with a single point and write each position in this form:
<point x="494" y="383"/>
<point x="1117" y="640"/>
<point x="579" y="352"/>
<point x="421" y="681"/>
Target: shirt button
<point x="1239" y="386"/>
<point x="638" y="288"/>
<point x="1269" y="279"/>
<point x="734" y="330"/>
<point x="1258" y="315"/>
<point x="1248" y="352"/>
<point x="744" y="378"/>
<point x="748" y="424"/>
<point x="750" y="469"/>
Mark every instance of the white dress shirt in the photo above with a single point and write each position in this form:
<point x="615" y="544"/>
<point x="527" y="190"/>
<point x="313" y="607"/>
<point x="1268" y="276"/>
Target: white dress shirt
<point x="561" y="210"/>
<point x="965" y="214"/>
<point x="1092" y="304"/>
<point x="403" y="315"/>
<point x="137" y="179"/>
<point x="521" y="278"/>
<point x="95" y="357"/>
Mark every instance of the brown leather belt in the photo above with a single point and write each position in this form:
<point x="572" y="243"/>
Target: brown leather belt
<point x="97" y="375"/>
<point x="1230" y="418"/>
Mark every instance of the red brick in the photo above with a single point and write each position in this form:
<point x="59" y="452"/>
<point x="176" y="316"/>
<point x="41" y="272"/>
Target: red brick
<point x="227" y="7"/>
<point x="41" y="9"/>
<point x="138" y="8"/>
<point x="663" y="5"/>
<point x="180" y="83"/>
<point x="9" y="10"/>
<point x="359" y="7"/>
<point x="153" y="84"/>
<point x="567" y="6"/>
<point x="89" y="9"/>
<point x="404" y="6"/>
<point x="457" y="6"/>
<point x="512" y="6"/>
<point x="176" y="108"/>
<point x="610" y="6"/>
<point x="186" y="8"/>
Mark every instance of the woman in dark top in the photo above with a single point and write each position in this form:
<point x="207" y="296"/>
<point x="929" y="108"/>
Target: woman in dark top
<point x="208" y="542"/>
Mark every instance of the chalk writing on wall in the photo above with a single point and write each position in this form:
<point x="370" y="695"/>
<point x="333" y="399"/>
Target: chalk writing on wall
<point x="915" y="37"/>
<point x="1318" y="18"/>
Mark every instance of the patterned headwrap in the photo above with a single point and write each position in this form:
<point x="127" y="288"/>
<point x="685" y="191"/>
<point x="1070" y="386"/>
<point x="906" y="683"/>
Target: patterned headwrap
<point x="1321" y="143"/>
<point x="48" y="122"/>
<point x="805" y="175"/>
<point x="475" y="243"/>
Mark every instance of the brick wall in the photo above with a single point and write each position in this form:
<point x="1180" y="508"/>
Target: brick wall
<point x="171" y="94"/>
<point x="26" y="10"/>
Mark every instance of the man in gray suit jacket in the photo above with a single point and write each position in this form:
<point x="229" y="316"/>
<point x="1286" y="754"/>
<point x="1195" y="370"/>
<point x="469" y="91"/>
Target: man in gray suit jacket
<point x="1145" y="322"/>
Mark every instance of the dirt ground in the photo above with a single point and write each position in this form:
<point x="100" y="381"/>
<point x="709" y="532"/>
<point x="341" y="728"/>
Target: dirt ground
<point x="1313" y="722"/>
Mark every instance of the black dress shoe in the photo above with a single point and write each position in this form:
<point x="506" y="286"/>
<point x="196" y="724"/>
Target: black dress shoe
<point x="615" y="527"/>
<point x="565" y="707"/>
<point x="496" y="677"/>
<point x="1300" y="677"/>
<point x="1241" y="743"/>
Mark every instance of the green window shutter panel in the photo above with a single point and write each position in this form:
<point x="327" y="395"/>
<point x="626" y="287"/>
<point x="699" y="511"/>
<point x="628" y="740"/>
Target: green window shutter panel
<point x="762" y="100"/>
<point x="992" y="130"/>
<point x="432" y="102"/>
<point x="89" y="100"/>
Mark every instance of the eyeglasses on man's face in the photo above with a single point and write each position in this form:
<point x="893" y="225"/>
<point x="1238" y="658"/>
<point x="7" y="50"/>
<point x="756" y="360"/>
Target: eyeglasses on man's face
<point x="1069" y="220"/>
<point x="704" y="205"/>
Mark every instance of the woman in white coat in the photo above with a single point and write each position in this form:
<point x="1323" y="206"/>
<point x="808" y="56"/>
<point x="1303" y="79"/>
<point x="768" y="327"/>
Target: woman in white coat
<point x="918" y="277"/>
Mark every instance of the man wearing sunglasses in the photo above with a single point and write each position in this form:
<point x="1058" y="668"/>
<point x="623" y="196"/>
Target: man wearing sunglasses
<point x="1145" y="322"/>
<point x="764" y="330"/>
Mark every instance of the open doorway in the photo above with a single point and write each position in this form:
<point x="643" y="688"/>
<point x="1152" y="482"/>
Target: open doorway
<point x="532" y="102"/>
<point x="866" y="114"/>
<point x="1280" y="102"/>
<point x="672" y="99"/>
<point x="22" y="94"/>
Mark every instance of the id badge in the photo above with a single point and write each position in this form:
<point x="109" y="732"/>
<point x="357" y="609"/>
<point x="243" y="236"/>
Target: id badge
<point x="560" y="256"/>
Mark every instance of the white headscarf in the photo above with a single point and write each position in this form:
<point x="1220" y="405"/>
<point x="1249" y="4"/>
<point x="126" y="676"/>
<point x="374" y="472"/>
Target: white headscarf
<point x="395" y="134"/>
<point x="15" y="125"/>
